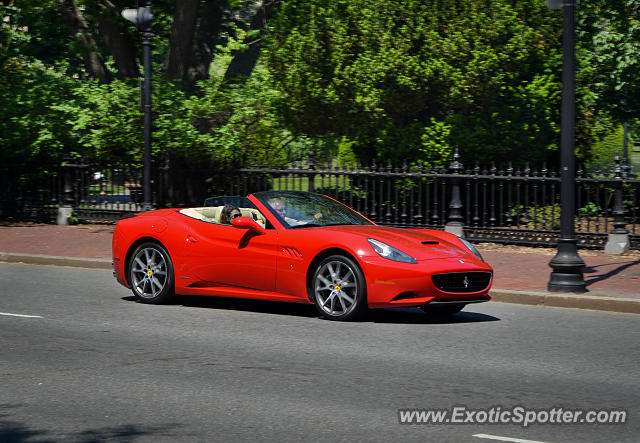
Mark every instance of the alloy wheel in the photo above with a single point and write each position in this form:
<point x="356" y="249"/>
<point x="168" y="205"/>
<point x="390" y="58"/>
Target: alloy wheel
<point x="336" y="288"/>
<point x="148" y="273"/>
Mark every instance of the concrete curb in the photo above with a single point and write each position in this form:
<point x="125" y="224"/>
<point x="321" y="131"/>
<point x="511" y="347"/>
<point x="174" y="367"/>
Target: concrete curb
<point x="567" y="300"/>
<point x="36" y="259"/>
<point x="564" y="300"/>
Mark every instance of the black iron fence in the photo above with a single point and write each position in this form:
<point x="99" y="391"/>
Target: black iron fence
<point x="499" y="204"/>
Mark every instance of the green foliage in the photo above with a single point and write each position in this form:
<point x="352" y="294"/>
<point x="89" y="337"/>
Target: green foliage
<point x="382" y="72"/>
<point x="34" y="131"/>
<point x="590" y="210"/>
<point x="400" y="79"/>
<point x="38" y="32"/>
<point x="107" y="122"/>
<point x="346" y="156"/>
<point x="537" y="217"/>
<point x="435" y="146"/>
<point x="241" y="120"/>
<point x="610" y="33"/>
<point x="225" y="124"/>
<point x="73" y="218"/>
<point x="604" y="151"/>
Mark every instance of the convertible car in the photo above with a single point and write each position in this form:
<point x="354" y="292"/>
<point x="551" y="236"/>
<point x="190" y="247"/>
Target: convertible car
<point x="296" y="247"/>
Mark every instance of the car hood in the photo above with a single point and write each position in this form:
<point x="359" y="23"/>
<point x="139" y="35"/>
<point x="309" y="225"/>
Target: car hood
<point x="419" y="244"/>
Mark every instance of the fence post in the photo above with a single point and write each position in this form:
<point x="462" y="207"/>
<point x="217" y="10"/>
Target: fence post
<point x="312" y="167"/>
<point x="161" y="185"/>
<point x="454" y="224"/>
<point x="66" y="208"/>
<point x="618" y="238"/>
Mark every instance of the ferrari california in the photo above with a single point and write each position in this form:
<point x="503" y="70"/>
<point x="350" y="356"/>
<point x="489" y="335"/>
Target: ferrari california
<point x="296" y="247"/>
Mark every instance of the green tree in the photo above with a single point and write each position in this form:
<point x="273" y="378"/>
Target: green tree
<point x="609" y="31"/>
<point x="383" y="73"/>
<point x="77" y="43"/>
<point x="33" y="133"/>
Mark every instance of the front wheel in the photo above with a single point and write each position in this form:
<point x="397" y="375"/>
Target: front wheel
<point x="338" y="287"/>
<point x="151" y="274"/>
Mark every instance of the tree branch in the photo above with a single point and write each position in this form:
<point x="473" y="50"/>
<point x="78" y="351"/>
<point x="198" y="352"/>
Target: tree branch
<point x="78" y="26"/>
<point x="204" y="44"/>
<point x="243" y="62"/>
<point x="181" y="40"/>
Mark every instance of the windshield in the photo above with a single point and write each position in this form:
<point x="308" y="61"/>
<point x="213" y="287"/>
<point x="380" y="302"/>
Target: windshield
<point x="297" y="209"/>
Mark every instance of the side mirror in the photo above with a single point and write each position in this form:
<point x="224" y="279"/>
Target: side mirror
<point x="248" y="223"/>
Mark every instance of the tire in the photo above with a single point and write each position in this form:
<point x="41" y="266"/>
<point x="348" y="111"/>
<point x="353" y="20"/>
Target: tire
<point x="338" y="288"/>
<point x="151" y="274"/>
<point x="442" y="311"/>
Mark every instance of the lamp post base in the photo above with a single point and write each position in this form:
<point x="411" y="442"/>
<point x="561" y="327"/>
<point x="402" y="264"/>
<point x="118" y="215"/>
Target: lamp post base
<point x="617" y="243"/>
<point x="64" y="212"/>
<point x="567" y="269"/>
<point x="566" y="282"/>
<point x="456" y="228"/>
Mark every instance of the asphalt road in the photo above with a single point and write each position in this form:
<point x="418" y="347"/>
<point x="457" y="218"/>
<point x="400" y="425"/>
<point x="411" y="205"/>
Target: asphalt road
<point x="94" y="365"/>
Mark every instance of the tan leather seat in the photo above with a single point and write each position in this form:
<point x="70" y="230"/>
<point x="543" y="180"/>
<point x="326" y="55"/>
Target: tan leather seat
<point x="254" y="214"/>
<point x="212" y="214"/>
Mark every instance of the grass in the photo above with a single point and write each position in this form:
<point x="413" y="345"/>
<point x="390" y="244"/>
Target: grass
<point x="302" y="183"/>
<point x="109" y="189"/>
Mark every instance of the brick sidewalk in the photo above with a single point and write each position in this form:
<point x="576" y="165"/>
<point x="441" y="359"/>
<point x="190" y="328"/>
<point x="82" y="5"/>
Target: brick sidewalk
<point x="83" y="241"/>
<point x="613" y="276"/>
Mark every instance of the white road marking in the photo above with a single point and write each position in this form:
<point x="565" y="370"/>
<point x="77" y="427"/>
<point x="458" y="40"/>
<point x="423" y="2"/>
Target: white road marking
<point x="501" y="438"/>
<point x="20" y="315"/>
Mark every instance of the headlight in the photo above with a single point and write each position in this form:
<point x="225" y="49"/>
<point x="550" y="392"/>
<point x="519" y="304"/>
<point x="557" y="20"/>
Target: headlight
<point x="386" y="251"/>
<point x="471" y="248"/>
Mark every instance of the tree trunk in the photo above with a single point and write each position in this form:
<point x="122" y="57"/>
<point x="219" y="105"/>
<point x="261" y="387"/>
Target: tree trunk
<point x="181" y="40"/>
<point x="243" y="62"/>
<point x="120" y="46"/>
<point x="205" y="40"/>
<point x="78" y="26"/>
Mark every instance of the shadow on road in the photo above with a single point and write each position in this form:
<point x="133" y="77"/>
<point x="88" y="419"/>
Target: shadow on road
<point x="12" y="431"/>
<point x="416" y="316"/>
<point x="244" y="304"/>
<point x="396" y="315"/>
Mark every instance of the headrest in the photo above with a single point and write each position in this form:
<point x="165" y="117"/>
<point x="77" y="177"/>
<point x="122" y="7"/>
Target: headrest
<point x="211" y="212"/>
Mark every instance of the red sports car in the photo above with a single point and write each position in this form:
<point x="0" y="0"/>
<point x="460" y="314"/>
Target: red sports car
<point x="297" y="247"/>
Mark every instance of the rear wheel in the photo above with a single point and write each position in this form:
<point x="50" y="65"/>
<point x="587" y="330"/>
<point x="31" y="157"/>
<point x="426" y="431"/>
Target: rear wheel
<point x="151" y="274"/>
<point x="442" y="311"/>
<point x="339" y="289"/>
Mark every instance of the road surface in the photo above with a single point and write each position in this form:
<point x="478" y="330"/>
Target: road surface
<point x="81" y="361"/>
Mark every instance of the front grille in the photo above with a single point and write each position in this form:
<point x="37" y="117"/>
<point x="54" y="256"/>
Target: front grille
<point x="462" y="281"/>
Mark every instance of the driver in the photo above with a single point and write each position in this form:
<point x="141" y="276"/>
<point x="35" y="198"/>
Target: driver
<point x="281" y="209"/>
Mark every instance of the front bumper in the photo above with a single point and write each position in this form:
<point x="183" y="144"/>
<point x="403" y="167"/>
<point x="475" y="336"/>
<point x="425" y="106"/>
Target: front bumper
<point x="393" y="284"/>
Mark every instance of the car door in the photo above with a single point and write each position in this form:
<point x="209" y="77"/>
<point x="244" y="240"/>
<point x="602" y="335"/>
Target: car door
<point x="231" y="256"/>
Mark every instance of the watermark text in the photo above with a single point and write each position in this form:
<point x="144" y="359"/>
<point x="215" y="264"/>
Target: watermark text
<point x="518" y="415"/>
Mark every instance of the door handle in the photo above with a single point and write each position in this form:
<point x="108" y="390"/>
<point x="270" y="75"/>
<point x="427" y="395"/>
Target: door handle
<point x="191" y="239"/>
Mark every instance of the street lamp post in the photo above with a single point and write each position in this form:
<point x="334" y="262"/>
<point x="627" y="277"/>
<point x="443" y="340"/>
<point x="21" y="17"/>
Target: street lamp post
<point x="142" y="17"/>
<point x="567" y="265"/>
<point x="625" y="148"/>
<point x="455" y="224"/>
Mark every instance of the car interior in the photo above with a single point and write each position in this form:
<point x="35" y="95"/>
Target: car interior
<point x="211" y="214"/>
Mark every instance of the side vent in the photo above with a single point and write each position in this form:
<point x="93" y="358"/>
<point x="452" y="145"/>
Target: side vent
<point x="430" y="242"/>
<point x="291" y="252"/>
